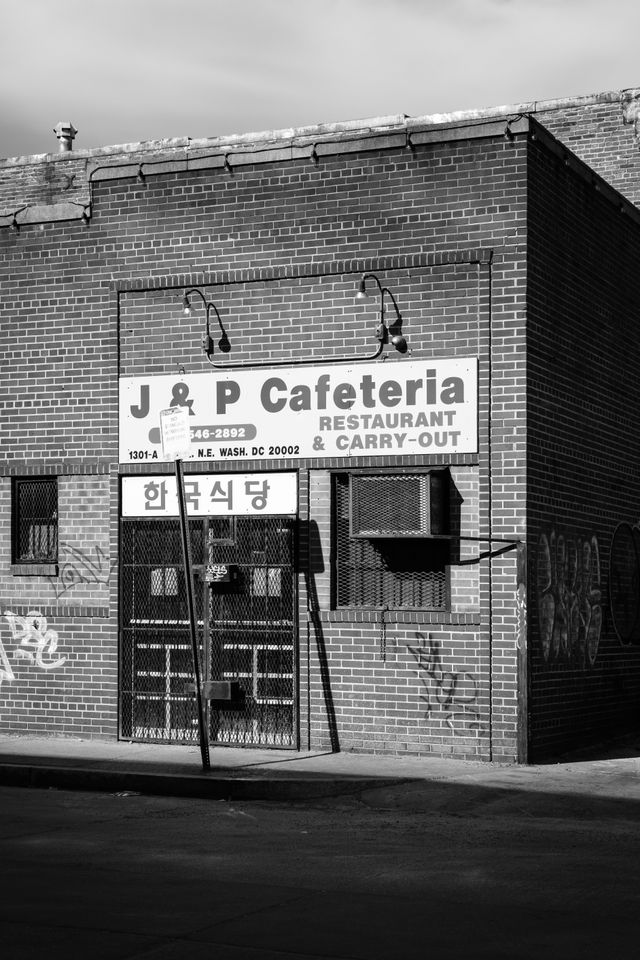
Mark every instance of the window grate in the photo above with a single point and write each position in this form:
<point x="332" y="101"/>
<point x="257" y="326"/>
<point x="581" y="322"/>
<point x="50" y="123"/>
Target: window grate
<point x="388" y="571"/>
<point x="35" y="513"/>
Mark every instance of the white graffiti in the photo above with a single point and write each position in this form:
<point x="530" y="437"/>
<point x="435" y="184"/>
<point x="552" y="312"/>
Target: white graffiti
<point x="38" y="644"/>
<point x="521" y="616"/>
<point x="6" y="673"/>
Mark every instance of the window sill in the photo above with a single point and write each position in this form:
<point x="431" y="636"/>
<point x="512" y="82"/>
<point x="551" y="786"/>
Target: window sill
<point x="34" y="569"/>
<point x="416" y="615"/>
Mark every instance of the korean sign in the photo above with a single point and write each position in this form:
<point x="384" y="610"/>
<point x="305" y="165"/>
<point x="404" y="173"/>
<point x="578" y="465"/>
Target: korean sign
<point x="211" y="495"/>
<point x="374" y="409"/>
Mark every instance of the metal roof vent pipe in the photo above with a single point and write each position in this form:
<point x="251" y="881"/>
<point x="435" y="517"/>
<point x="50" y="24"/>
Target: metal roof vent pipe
<point x="65" y="132"/>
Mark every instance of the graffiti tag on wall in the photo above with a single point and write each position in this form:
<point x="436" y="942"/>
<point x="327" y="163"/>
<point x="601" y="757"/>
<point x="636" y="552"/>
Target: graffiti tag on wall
<point x="521" y="599"/>
<point x="451" y="693"/>
<point x="80" y="566"/>
<point x="624" y="582"/>
<point x="569" y="598"/>
<point x="6" y="673"/>
<point x="37" y="643"/>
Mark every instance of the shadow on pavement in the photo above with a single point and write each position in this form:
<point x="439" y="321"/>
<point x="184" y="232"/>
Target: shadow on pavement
<point x="615" y="746"/>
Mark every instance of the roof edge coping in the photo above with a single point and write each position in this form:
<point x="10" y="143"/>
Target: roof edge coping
<point x="372" y="125"/>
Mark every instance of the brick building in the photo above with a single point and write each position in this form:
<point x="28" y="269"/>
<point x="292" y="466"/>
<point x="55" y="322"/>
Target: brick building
<point x="412" y="512"/>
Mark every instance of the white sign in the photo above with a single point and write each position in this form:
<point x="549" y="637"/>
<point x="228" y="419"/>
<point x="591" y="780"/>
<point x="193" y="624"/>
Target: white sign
<point x="212" y="495"/>
<point x="175" y="433"/>
<point x="375" y="409"/>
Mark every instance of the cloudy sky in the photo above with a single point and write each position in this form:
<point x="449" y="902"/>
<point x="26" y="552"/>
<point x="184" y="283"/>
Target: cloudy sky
<point x="123" y="71"/>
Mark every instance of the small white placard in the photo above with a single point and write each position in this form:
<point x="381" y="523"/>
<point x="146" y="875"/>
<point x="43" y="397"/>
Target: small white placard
<point x="175" y="433"/>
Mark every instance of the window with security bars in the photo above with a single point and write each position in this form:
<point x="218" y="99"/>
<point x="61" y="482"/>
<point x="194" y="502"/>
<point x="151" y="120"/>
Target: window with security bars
<point x="385" y="553"/>
<point x="35" y="520"/>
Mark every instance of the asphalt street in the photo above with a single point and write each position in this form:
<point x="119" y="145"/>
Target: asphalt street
<point x="412" y="870"/>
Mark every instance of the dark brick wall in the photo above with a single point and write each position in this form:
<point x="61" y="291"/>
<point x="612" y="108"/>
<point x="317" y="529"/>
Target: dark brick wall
<point x="583" y="352"/>
<point x="604" y="134"/>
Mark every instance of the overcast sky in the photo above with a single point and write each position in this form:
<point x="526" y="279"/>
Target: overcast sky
<point x="123" y="71"/>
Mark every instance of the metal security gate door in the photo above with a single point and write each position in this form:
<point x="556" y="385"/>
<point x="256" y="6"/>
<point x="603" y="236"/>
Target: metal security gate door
<point x="245" y="599"/>
<point x="156" y="659"/>
<point x="249" y="637"/>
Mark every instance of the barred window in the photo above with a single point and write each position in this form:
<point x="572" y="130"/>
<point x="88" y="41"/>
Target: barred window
<point x="35" y="520"/>
<point x="385" y="552"/>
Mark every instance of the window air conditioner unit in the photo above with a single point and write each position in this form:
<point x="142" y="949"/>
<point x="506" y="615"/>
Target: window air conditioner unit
<point x="399" y="505"/>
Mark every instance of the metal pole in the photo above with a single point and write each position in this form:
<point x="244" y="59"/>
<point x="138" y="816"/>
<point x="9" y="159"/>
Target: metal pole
<point x="188" y="575"/>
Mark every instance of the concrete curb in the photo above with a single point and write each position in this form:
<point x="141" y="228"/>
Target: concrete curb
<point x="212" y="786"/>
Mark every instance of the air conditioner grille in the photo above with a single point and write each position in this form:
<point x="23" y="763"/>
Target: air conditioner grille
<point x="398" y="505"/>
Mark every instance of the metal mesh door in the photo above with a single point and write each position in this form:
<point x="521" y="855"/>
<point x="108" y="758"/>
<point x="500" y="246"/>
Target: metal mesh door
<point x="156" y="657"/>
<point x="246" y="637"/>
<point x="251" y="634"/>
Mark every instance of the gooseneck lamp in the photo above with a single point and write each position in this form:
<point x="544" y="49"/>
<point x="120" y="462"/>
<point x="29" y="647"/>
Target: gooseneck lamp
<point x="385" y="332"/>
<point x="207" y="340"/>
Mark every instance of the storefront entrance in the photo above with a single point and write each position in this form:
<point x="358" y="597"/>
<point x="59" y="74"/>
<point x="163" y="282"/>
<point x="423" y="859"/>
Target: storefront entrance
<point x="246" y="624"/>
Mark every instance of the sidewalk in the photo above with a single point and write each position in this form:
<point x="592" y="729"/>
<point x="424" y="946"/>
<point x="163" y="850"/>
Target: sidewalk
<point x="246" y="774"/>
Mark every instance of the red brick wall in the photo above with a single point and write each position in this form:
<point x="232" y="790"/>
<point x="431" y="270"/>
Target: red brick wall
<point x="73" y="691"/>
<point x="83" y="547"/>
<point x="279" y="247"/>
<point x="41" y="180"/>
<point x="69" y="687"/>
<point x="583" y="353"/>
